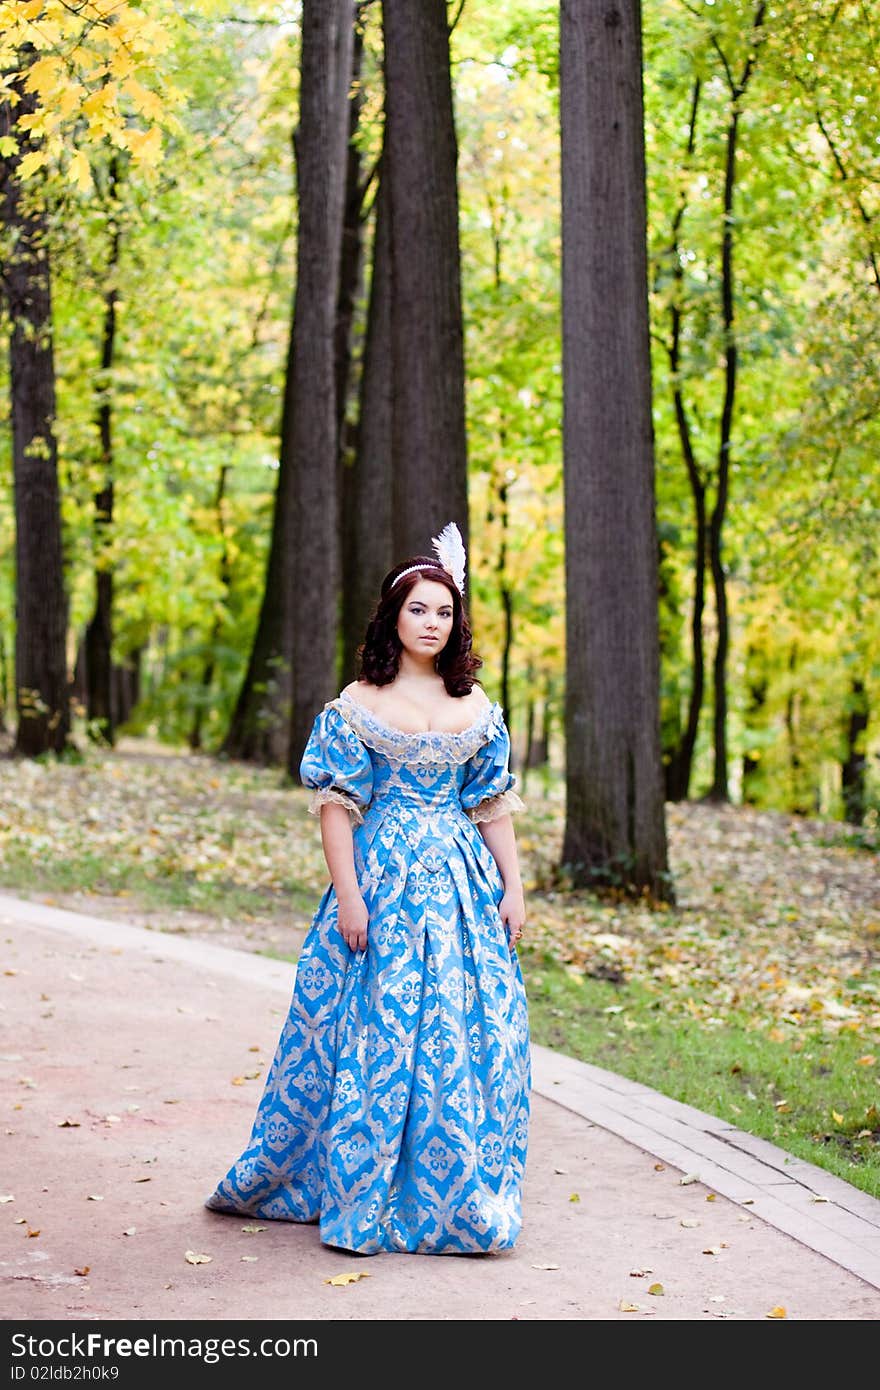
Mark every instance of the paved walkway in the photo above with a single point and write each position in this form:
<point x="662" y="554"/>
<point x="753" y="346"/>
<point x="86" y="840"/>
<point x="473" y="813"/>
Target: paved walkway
<point x="132" y="1062"/>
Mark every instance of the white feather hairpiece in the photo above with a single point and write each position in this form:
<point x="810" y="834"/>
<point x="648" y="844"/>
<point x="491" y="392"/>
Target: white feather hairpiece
<point x="450" y="550"/>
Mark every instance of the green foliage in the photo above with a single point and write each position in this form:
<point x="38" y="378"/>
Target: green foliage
<point x="199" y="248"/>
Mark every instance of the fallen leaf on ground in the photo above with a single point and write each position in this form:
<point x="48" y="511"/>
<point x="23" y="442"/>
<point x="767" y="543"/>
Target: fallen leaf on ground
<point x="688" y="1178"/>
<point x="817" y="1198"/>
<point x="713" y="1249"/>
<point x="21" y="1221"/>
<point x="659" y="1167"/>
<point x="575" y="1197"/>
<point x="656" y="1289"/>
<point x="82" y="1271"/>
<point x="778" y="1312"/>
<point x="867" y="1061"/>
<point x="711" y="1197"/>
<point x="94" y="1197"/>
<point x="346" y="1278"/>
<point x="68" y="1124"/>
<point x="625" y="1307"/>
<point x="193" y="1259"/>
<point x="31" y="1233"/>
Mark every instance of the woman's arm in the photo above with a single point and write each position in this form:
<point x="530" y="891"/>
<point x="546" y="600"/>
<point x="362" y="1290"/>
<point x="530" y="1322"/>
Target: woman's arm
<point x="501" y="838"/>
<point x="339" y="854"/>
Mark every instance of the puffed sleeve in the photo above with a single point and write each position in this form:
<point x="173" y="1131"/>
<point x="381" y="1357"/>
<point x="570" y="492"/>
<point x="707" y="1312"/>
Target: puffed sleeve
<point x="488" y="789"/>
<point x="336" y="765"/>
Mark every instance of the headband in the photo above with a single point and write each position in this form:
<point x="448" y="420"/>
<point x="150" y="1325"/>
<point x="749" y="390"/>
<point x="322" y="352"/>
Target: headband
<point x="451" y="557"/>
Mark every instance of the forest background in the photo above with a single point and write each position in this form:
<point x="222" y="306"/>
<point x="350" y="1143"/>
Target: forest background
<point x="171" y="196"/>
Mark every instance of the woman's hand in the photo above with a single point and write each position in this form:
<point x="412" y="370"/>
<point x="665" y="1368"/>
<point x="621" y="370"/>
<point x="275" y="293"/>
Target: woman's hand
<point x="353" y="919"/>
<point x="512" y="910"/>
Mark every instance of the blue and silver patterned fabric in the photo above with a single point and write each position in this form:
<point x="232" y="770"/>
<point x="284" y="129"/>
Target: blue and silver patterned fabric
<point x="396" y="1109"/>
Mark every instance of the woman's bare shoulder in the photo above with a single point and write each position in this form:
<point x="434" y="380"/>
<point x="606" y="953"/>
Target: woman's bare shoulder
<point x="478" y="697"/>
<point x="361" y="691"/>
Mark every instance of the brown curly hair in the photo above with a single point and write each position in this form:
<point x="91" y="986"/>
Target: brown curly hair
<point x="380" y="650"/>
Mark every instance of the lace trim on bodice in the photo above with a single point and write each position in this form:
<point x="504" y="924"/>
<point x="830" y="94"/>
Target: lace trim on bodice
<point x="428" y="746"/>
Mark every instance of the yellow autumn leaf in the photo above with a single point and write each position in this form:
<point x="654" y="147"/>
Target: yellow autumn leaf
<point x="575" y="1197"/>
<point x="44" y="74"/>
<point x="192" y="1258"/>
<point x="867" y="1061"/>
<point x="145" y="145"/>
<point x="32" y="161"/>
<point x="837" y="1118"/>
<point x="657" y="1289"/>
<point x="777" y="1312"/>
<point x="346" y="1278"/>
<point x="145" y="101"/>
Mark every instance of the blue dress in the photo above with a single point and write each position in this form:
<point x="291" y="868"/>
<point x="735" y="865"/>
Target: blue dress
<point x="396" y="1109"/>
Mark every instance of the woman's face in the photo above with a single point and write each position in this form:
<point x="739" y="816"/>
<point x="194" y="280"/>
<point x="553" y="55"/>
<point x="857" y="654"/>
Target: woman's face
<point x="425" y="620"/>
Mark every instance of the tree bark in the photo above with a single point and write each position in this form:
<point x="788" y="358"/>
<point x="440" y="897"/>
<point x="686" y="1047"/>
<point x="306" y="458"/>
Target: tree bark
<point x="311" y="454"/>
<point x="300" y="593"/>
<point x="679" y="766"/>
<point x="615" y="831"/>
<point x="429" y="444"/>
<point x="854" y="767"/>
<point x="368" y="556"/>
<point x="98" y="641"/>
<point x="719" y="790"/>
<point x="195" y="736"/>
<point x="41" y="681"/>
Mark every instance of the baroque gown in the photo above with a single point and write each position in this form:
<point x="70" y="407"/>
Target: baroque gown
<point x="396" y="1110"/>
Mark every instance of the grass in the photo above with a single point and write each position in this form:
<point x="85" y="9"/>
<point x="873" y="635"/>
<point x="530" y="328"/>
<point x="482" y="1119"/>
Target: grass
<point x="757" y="999"/>
<point x="812" y="1095"/>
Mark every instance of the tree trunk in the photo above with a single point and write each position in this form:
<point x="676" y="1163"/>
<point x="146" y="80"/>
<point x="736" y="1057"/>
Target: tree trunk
<point x="368" y="555"/>
<point x="719" y="790"/>
<point x="756" y="688"/>
<point x="304" y="543"/>
<point x="853" y="769"/>
<point x="311" y="453"/>
<point x="195" y="736"/>
<point x="429" y="444"/>
<point x="41" y="602"/>
<point x="679" y="766"/>
<point x="615" y="829"/>
<point x="98" y="640"/>
<point x="126" y="686"/>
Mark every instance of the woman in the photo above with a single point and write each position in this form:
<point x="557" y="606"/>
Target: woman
<point x="396" y="1109"/>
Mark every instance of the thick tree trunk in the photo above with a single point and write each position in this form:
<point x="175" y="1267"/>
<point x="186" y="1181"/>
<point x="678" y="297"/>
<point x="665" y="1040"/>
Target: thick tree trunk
<point x="615" y="830"/>
<point x="311" y="454"/>
<point x="99" y="633"/>
<point x="368" y="555"/>
<point x="300" y="593"/>
<point x="41" y="604"/>
<point x="430" y="451"/>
